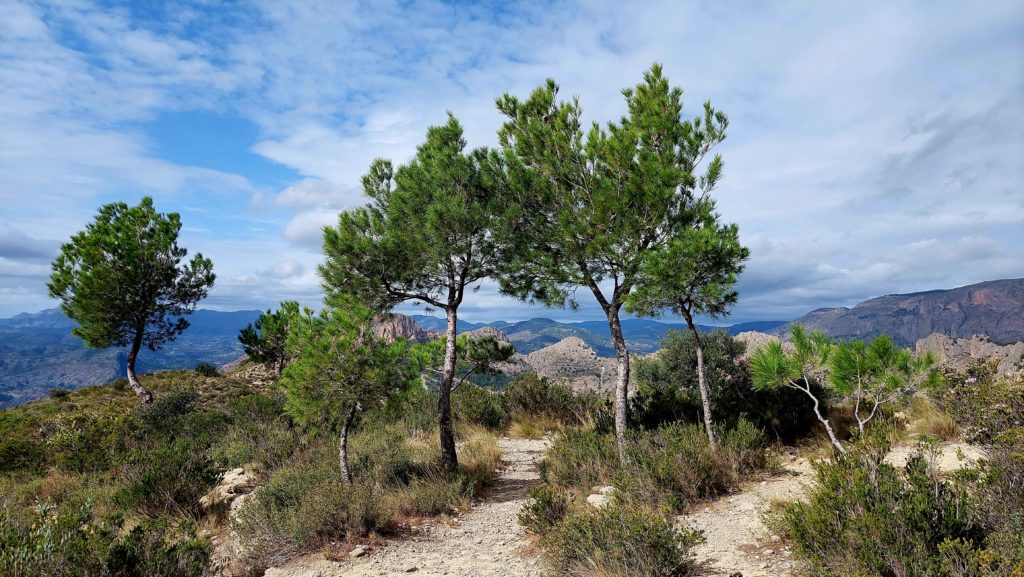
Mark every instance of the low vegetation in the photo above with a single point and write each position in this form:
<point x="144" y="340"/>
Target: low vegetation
<point x="867" y="517"/>
<point x="91" y="483"/>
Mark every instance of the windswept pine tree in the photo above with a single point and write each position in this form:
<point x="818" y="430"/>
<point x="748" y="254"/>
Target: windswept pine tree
<point x="122" y="280"/>
<point x="427" y="235"/>
<point x="597" y="202"/>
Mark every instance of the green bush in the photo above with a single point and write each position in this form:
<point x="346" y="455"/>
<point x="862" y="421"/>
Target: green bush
<point x="259" y="434"/>
<point x="534" y="396"/>
<point x="69" y="541"/>
<point x="671" y="466"/>
<point x="87" y="442"/>
<point x="866" y="517"/>
<point x="21" y="449"/>
<point x="580" y="458"/>
<point x="207" y="370"/>
<point x="633" y="541"/>
<point x="666" y="389"/>
<point x="305" y="503"/>
<point x="59" y="393"/>
<point x="481" y="406"/>
<point x="157" y="547"/>
<point x="983" y="404"/>
<point x="546" y="509"/>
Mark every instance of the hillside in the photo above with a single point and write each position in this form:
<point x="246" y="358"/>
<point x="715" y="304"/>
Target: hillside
<point x="993" y="308"/>
<point x="38" y="352"/>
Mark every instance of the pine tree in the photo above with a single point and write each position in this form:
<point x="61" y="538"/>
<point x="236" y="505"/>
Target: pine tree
<point x="872" y="374"/>
<point x="426" y="236"/>
<point x="122" y="280"/>
<point x="694" y="273"/>
<point x="595" y="204"/>
<point x="264" y="339"/>
<point x="339" y="369"/>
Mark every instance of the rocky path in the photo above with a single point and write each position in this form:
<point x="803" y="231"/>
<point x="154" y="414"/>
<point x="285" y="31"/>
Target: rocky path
<point x="485" y="542"/>
<point x="737" y="539"/>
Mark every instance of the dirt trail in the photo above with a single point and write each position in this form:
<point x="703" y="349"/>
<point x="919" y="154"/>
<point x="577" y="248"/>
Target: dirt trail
<point x="487" y="541"/>
<point x="737" y="539"/>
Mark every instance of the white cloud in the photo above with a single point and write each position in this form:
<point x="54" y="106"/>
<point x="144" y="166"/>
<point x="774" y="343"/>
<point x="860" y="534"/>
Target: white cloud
<point x="871" y="149"/>
<point x="285" y="269"/>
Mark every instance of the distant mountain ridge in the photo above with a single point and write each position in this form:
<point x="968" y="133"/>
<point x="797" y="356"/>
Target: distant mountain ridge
<point x="643" y="336"/>
<point x="993" y="308"/>
<point x="38" y="352"/>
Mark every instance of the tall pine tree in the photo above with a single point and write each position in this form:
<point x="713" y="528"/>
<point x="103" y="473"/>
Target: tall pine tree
<point x="123" y="281"/>
<point x="595" y="203"/>
<point x="427" y="235"/>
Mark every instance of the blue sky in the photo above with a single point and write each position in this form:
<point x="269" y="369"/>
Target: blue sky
<point x="874" y="147"/>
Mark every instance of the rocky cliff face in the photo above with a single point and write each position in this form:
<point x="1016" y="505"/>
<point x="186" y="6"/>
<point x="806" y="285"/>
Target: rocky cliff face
<point x="961" y="353"/>
<point x="993" y="308"/>
<point x="396" y="326"/>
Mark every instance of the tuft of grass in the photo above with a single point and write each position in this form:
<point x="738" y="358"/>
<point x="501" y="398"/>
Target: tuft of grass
<point x="533" y="426"/>
<point x="929" y="420"/>
<point x="619" y="541"/>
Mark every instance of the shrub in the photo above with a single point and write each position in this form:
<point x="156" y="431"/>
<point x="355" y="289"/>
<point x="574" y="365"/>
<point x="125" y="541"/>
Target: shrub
<point x="529" y="395"/>
<point x="547" y="508"/>
<point x="675" y="466"/>
<point x="48" y="541"/>
<point x="157" y="547"/>
<point x="305" y="503"/>
<point x="21" y="449"/>
<point x="259" y="434"/>
<point x="866" y="517"/>
<point x="206" y="370"/>
<point x="633" y="541"/>
<point x="666" y="390"/>
<point x="982" y="403"/>
<point x="579" y="458"/>
<point x="87" y="442"/>
<point x="481" y="406"/>
<point x="69" y="541"/>
<point x="58" y="393"/>
<point x="671" y="466"/>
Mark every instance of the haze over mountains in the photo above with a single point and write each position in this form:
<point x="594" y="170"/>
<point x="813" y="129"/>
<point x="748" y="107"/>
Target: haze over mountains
<point x="38" y="352"/>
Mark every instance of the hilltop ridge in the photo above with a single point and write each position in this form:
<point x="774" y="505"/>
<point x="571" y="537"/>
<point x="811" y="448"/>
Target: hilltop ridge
<point x="991" y="308"/>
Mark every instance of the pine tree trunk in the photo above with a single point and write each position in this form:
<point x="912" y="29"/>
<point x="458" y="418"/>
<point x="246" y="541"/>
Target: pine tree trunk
<point x="828" y="426"/>
<point x="449" y="459"/>
<point x="621" y="382"/>
<point x="702" y="382"/>
<point x="346" y="474"/>
<point x="143" y="393"/>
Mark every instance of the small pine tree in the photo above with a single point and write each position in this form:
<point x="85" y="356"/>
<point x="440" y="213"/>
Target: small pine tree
<point x="265" y="339"/>
<point x="870" y="375"/>
<point x="339" y="368"/>
<point x="122" y="280"/>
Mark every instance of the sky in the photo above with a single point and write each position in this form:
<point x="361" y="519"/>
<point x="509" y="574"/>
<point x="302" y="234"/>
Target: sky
<point x="873" y="147"/>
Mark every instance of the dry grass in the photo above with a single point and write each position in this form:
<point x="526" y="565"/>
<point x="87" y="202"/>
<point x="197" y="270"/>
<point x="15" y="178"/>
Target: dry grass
<point x="928" y="419"/>
<point x="534" y="427"/>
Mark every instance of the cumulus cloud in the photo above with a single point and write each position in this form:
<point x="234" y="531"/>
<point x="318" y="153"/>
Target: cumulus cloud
<point x="285" y="269"/>
<point x="870" y="150"/>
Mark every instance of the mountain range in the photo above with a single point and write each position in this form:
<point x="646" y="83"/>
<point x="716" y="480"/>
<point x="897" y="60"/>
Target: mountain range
<point x="993" y="308"/>
<point x="38" y="351"/>
<point x="642" y="335"/>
